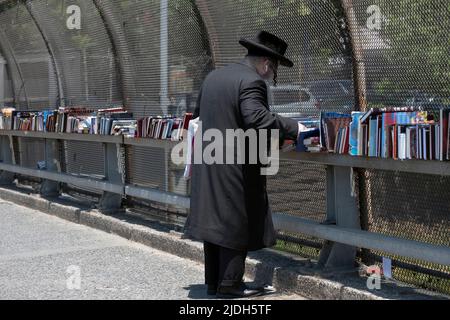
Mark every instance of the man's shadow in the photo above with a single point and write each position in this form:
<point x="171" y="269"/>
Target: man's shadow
<point x="198" y="292"/>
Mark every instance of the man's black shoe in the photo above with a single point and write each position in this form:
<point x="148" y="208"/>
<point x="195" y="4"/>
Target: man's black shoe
<point x="212" y="290"/>
<point x="241" y="291"/>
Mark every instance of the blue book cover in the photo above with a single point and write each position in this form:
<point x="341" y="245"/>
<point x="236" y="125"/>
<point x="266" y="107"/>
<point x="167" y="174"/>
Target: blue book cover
<point x="355" y="127"/>
<point x="373" y="133"/>
<point x="313" y="132"/>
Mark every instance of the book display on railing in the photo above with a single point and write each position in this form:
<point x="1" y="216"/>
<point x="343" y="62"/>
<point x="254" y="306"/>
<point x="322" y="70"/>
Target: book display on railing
<point x="80" y="120"/>
<point x="404" y="133"/>
<point x="335" y="132"/>
<point x="392" y="132"/>
<point x="114" y="121"/>
<point x="159" y="127"/>
<point x="72" y="120"/>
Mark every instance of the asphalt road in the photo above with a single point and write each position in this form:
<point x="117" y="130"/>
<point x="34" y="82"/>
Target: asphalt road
<point x="43" y="257"/>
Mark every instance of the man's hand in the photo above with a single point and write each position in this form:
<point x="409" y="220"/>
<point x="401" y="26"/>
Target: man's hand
<point x="289" y="145"/>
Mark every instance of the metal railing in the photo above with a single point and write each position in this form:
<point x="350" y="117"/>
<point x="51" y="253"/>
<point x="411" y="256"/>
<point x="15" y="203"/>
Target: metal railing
<point x="342" y="226"/>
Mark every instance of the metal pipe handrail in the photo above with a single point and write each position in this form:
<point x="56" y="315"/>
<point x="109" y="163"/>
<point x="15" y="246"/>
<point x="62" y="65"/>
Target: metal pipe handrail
<point x="120" y="139"/>
<point x="352" y="237"/>
<point x="365" y="239"/>
<point x="63" y="136"/>
<point x="432" y="167"/>
<point x="65" y="178"/>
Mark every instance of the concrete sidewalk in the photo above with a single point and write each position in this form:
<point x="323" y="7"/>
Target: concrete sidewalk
<point x="41" y="257"/>
<point x="287" y="273"/>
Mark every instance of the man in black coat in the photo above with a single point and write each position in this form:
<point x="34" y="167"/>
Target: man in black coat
<point x="229" y="210"/>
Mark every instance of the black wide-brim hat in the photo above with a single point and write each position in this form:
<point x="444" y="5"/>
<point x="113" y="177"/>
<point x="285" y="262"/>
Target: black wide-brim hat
<point x="269" y="45"/>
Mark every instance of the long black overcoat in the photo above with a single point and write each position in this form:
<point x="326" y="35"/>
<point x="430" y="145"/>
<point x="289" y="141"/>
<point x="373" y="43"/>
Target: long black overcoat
<point x="229" y="203"/>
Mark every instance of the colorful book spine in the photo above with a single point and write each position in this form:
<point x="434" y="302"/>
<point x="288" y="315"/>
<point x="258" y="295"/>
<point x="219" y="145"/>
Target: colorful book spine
<point x="355" y="132"/>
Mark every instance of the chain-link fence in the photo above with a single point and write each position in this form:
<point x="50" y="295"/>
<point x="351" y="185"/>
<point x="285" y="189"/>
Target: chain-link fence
<point x="152" y="55"/>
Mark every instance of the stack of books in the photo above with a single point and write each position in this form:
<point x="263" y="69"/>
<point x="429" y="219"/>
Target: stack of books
<point x="22" y="120"/>
<point x="68" y="120"/>
<point x="114" y="121"/>
<point x="329" y="133"/>
<point x="391" y="132"/>
<point x="6" y="117"/>
<point x="401" y="133"/>
<point x="335" y="132"/>
<point x="167" y="127"/>
<point x="10" y="119"/>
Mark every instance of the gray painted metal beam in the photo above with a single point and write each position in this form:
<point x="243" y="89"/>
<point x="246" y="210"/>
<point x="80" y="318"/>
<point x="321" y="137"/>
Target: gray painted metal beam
<point x="65" y="178"/>
<point x="441" y="168"/>
<point x="144" y="142"/>
<point x="365" y="239"/>
<point x="112" y="201"/>
<point x="345" y="213"/>
<point x="158" y="196"/>
<point x="64" y="136"/>
<point x="147" y="142"/>
<point x="53" y="164"/>
<point x="348" y="236"/>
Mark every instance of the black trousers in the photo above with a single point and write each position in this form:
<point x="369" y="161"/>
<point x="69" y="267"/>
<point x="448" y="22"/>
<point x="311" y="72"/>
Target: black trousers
<point x="223" y="266"/>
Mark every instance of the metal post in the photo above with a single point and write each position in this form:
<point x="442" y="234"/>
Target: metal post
<point x="331" y="215"/>
<point x="331" y="200"/>
<point x="111" y="201"/>
<point x="50" y="188"/>
<point x="343" y="210"/>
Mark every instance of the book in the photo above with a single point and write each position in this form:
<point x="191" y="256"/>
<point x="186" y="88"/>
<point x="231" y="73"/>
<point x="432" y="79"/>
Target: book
<point x="311" y="132"/>
<point x="355" y="138"/>
<point x="402" y="146"/>
<point x="162" y="127"/>
<point x="373" y="137"/>
<point x="443" y="133"/>
<point x="124" y="127"/>
<point x="330" y="124"/>
<point x="376" y="111"/>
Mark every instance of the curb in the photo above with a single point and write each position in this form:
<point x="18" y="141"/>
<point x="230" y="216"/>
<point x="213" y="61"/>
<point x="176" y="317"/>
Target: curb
<point x="287" y="273"/>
